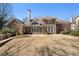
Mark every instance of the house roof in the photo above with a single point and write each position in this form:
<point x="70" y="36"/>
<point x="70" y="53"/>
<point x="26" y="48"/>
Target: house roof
<point x="11" y="19"/>
<point x="38" y="20"/>
<point x="41" y="21"/>
<point x="47" y="17"/>
<point x="62" y="21"/>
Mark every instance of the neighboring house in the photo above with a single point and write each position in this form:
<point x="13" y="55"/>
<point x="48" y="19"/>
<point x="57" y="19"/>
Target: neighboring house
<point x="75" y="23"/>
<point x="40" y="25"/>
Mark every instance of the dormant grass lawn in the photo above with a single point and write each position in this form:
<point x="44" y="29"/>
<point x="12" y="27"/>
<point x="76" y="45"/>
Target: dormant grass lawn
<point x="39" y="44"/>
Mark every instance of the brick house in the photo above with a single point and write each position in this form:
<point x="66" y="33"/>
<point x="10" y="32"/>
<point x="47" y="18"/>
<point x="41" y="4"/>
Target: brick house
<point x="42" y="25"/>
<point x="38" y="25"/>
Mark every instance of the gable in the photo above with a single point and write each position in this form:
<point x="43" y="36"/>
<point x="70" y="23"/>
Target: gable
<point x="34" y="23"/>
<point x="43" y="20"/>
<point x="14" y="21"/>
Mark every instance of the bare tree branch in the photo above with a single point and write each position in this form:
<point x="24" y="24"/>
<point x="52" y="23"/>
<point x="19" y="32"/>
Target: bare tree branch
<point x="5" y="12"/>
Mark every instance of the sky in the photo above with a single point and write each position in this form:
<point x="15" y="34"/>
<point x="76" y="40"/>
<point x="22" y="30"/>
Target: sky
<point x="62" y="11"/>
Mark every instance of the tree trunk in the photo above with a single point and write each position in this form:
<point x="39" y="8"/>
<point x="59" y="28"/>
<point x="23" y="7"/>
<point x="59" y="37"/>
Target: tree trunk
<point x="1" y="24"/>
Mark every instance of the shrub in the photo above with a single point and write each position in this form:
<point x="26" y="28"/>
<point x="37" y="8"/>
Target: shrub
<point x="6" y="33"/>
<point x="7" y="30"/>
<point x="64" y="32"/>
<point x="75" y="33"/>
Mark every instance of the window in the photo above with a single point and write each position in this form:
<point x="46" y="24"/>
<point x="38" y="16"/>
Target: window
<point x="50" y="29"/>
<point x="34" y="29"/>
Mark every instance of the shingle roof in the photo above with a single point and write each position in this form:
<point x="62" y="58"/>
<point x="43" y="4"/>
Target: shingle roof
<point x="61" y="21"/>
<point x="40" y="20"/>
<point x="11" y="19"/>
<point x="46" y="17"/>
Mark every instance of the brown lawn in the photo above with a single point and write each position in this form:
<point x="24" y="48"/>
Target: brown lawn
<point x="34" y="45"/>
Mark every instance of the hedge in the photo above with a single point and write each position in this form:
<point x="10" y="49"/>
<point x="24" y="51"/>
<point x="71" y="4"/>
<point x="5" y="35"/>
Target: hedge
<point x="75" y="33"/>
<point x="64" y="32"/>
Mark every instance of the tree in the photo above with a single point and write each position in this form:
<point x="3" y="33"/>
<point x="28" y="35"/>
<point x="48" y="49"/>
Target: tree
<point x="25" y="20"/>
<point x="5" y="12"/>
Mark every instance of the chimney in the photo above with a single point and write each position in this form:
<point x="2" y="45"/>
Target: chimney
<point x="29" y="15"/>
<point x="71" y="19"/>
